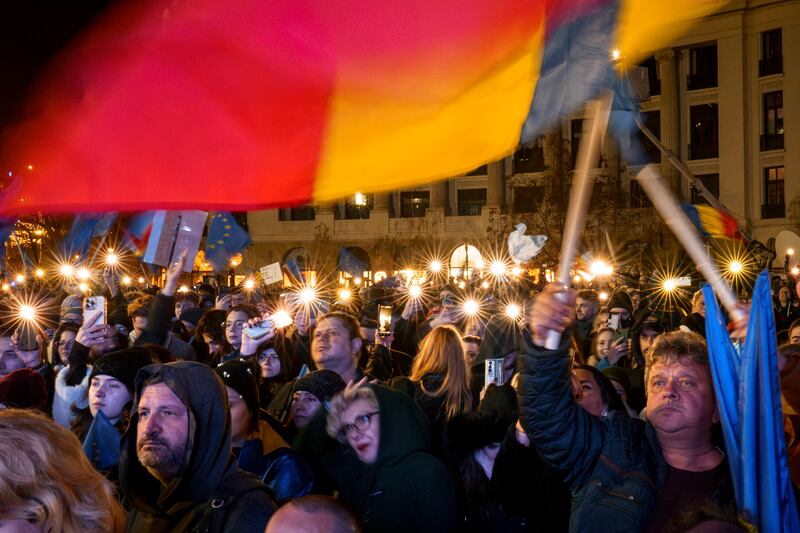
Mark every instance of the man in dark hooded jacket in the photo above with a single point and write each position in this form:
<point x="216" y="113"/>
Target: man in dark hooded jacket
<point x="177" y="470"/>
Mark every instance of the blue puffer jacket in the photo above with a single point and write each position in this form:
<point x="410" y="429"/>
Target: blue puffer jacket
<point x="613" y="465"/>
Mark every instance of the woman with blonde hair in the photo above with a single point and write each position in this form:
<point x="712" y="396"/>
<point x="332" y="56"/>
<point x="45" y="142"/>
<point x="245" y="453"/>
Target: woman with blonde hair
<point x="439" y="380"/>
<point x="47" y="483"/>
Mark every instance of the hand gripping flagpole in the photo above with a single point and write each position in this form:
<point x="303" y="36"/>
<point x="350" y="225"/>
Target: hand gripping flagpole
<point x="588" y="153"/>
<point x="670" y="210"/>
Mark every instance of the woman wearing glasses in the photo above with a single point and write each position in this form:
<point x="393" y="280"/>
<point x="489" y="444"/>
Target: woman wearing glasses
<point x="385" y="471"/>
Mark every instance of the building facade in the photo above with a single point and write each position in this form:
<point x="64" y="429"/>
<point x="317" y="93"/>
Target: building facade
<point x="724" y="99"/>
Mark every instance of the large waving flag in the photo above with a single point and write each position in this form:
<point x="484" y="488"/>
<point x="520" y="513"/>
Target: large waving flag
<point x="226" y="238"/>
<point x="712" y="222"/>
<point x="246" y="104"/>
<point x="749" y="400"/>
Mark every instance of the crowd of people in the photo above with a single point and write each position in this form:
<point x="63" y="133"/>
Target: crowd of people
<point x="198" y="411"/>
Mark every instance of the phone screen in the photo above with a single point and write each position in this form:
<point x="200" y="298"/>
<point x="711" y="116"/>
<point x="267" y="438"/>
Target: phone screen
<point x="385" y="319"/>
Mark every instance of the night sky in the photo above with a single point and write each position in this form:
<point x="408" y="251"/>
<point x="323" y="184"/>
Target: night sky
<point x="32" y="32"/>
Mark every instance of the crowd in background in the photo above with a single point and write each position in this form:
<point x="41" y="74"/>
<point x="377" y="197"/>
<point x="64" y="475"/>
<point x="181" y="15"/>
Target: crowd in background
<point x="200" y="411"/>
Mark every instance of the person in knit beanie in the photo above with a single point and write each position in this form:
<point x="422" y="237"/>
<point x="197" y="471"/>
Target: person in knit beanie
<point x="311" y="391"/>
<point x="259" y="449"/>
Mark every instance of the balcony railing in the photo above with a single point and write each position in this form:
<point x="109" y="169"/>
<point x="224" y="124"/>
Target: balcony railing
<point x="773" y="211"/>
<point x="772" y="65"/>
<point x="703" y="151"/>
<point x="772" y="141"/>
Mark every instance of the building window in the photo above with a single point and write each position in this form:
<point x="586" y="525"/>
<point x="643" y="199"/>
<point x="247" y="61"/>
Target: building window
<point x="711" y="181"/>
<point x="772" y="139"/>
<point x="704" y="136"/>
<point x="305" y="212"/>
<point x="470" y="202"/>
<point x="774" y="206"/>
<point x="771" y="61"/>
<point x="527" y="199"/>
<point x="649" y="151"/>
<point x="576" y="131"/>
<point x="652" y="75"/>
<point x="702" y="67"/>
<point x="414" y="203"/>
<point x="529" y="158"/>
<point x="357" y="206"/>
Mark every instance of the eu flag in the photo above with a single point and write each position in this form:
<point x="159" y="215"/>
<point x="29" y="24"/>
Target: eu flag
<point x="225" y="239"/>
<point x="102" y="442"/>
<point x="350" y="263"/>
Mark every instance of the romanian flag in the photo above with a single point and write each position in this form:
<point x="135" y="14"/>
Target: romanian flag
<point x="713" y="223"/>
<point x="245" y="104"/>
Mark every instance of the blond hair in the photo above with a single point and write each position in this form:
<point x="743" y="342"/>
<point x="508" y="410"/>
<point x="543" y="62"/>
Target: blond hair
<point x="46" y="478"/>
<point x="442" y="352"/>
<point x="342" y="401"/>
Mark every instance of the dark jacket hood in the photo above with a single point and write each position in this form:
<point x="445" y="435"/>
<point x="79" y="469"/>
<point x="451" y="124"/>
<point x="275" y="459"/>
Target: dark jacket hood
<point x="404" y="427"/>
<point x="208" y="449"/>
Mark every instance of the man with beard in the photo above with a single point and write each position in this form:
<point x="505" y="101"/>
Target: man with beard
<point x="177" y="470"/>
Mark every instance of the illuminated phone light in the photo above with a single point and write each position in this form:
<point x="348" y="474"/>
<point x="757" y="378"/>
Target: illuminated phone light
<point x="126" y="280"/>
<point x="83" y="287"/>
<point x="140" y="280"/>
<point x="471" y="307"/>
<point x="66" y="270"/>
<point x="249" y="284"/>
<point x="497" y="268"/>
<point x="516" y="271"/>
<point x="461" y="284"/>
<point x="513" y="311"/>
<point x="345" y="295"/>
<point x="184" y="289"/>
<point x="670" y="285"/>
<point x="735" y="267"/>
<point x="83" y="273"/>
<point x="39" y="273"/>
<point x="485" y="285"/>
<point x="20" y="278"/>
<point x="27" y="312"/>
<point x="795" y="271"/>
<point x="6" y="287"/>
<point x="112" y="258"/>
<point x="308" y="295"/>
<point x="281" y="319"/>
<point x="603" y="296"/>
<point x="415" y="291"/>
<point x="435" y="266"/>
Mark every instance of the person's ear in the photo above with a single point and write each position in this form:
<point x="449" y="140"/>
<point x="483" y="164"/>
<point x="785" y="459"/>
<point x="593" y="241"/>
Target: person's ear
<point x="355" y="344"/>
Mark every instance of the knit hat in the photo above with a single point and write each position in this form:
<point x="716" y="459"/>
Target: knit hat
<point x="241" y="375"/>
<point x="71" y="305"/>
<point x="192" y="315"/>
<point x="617" y="374"/>
<point x="324" y="384"/>
<point x="23" y="388"/>
<point x="621" y="298"/>
<point x="122" y="365"/>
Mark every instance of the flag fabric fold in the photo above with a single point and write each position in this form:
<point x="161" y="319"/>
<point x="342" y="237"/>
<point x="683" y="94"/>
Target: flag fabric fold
<point x="102" y="442"/>
<point x="351" y="264"/>
<point x="746" y="383"/>
<point x="298" y="101"/>
<point x="713" y="223"/>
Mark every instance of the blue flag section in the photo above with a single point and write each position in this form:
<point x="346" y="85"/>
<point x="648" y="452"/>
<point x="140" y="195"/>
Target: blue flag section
<point x="80" y="235"/>
<point x="350" y="263"/>
<point x="293" y="270"/>
<point x="101" y="444"/>
<point x="225" y="239"/>
<point x="749" y="400"/>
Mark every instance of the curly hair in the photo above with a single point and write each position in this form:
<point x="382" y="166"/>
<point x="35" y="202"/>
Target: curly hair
<point x="46" y="479"/>
<point x="345" y="399"/>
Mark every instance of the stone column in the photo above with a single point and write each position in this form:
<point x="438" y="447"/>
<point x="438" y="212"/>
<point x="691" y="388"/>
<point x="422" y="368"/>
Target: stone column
<point x="667" y="62"/>
<point x="381" y="201"/>
<point x="496" y="185"/>
<point x="439" y="195"/>
<point x="553" y="151"/>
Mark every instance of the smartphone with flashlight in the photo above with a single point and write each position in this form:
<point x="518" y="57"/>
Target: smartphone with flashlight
<point x="384" y="320"/>
<point x="493" y="372"/>
<point x="613" y="321"/>
<point x="92" y="307"/>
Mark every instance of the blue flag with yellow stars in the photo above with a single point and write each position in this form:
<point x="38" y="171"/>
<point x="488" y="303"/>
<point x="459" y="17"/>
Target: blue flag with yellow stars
<point x="225" y="239"/>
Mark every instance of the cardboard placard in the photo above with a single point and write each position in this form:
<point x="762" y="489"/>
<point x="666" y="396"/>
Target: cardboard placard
<point x="271" y="273"/>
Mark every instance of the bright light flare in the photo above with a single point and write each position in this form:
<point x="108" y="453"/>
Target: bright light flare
<point x="141" y="279"/>
<point x="795" y="271"/>
<point x="183" y="289"/>
<point x="516" y="271"/>
<point x="20" y="278"/>
<point x="484" y="285"/>
<point x="6" y="287"/>
<point x="83" y="287"/>
<point x="669" y="284"/>
<point x="126" y="280"/>
<point x="66" y="270"/>
<point x="735" y="267"/>
<point x="603" y="296"/>
<point x="415" y="291"/>
<point x="27" y="312"/>
<point x="790" y="251"/>
<point x="497" y="268"/>
<point x="357" y="281"/>
<point x="112" y="258"/>
<point x="308" y="295"/>
<point x="471" y="307"/>
<point x="598" y="267"/>
<point x="249" y="284"/>
<point x="344" y="295"/>
<point x="435" y="266"/>
<point x="615" y="54"/>
<point x="513" y="311"/>
<point x="39" y="273"/>
<point x="84" y="273"/>
<point x="281" y="319"/>
<point x="461" y="284"/>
